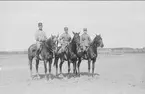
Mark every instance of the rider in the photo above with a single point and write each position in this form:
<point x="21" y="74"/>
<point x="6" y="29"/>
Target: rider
<point x="85" y="41"/>
<point x="64" y="39"/>
<point x="40" y="36"/>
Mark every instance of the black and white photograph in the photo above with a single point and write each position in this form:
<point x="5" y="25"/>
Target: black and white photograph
<point x="72" y="47"/>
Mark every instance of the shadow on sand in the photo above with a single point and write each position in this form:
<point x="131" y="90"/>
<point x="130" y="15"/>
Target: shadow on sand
<point x="63" y="75"/>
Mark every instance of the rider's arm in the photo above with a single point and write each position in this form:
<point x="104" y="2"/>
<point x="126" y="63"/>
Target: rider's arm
<point x="81" y="39"/>
<point x="36" y="36"/>
<point x="44" y="35"/>
<point x="89" y="38"/>
<point x="69" y="38"/>
<point x="61" y="37"/>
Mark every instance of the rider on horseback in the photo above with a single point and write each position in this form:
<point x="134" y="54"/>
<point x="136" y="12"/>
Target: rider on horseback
<point x="85" y="41"/>
<point x="64" y="39"/>
<point x="40" y="37"/>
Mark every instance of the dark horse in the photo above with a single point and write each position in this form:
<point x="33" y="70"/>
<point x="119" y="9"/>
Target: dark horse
<point x="91" y="52"/>
<point x="68" y="55"/>
<point x="46" y="54"/>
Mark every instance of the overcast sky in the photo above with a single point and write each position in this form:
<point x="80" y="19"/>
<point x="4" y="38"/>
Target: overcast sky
<point x="121" y="24"/>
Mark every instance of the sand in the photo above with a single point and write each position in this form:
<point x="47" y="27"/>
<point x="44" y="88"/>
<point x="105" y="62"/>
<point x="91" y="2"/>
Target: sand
<point x="119" y="74"/>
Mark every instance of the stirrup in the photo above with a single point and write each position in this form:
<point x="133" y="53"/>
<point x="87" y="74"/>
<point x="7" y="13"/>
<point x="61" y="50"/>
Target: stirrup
<point x="36" y="56"/>
<point x="85" y="57"/>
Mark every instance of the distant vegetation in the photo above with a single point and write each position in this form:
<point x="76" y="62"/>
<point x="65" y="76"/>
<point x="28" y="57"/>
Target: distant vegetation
<point x="120" y="50"/>
<point x="13" y="52"/>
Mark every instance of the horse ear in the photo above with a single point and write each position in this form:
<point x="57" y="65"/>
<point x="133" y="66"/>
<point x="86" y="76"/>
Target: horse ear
<point x="79" y="33"/>
<point x="97" y="34"/>
<point x="57" y="35"/>
<point x="73" y="32"/>
<point x="52" y="36"/>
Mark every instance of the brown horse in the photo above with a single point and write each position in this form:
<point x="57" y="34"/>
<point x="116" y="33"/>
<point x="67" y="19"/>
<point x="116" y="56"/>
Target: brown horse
<point x="68" y="55"/>
<point x="91" y="52"/>
<point x="46" y="54"/>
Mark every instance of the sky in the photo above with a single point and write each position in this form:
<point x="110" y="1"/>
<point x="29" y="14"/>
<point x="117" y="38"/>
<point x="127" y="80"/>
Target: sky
<point x="120" y="23"/>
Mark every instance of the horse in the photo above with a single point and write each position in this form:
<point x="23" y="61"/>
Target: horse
<point x="46" y="54"/>
<point x="91" y="53"/>
<point x="68" y="55"/>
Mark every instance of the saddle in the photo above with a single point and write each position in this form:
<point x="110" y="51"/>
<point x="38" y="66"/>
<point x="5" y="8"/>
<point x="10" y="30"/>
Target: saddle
<point x="39" y="50"/>
<point x="85" y="52"/>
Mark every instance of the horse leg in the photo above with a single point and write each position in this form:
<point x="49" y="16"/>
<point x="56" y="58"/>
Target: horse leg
<point x="30" y="65"/>
<point x="56" y="65"/>
<point x="60" y="66"/>
<point x="74" y="68"/>
<point x="37" y="64"/>
<point x="50" y="62"/>
<point x="78" y="65"/>
<point x="45" y="67"/>
<point x="93" y="67"/>
<point x="89" y="61"/>
<point x="68" y="68"/>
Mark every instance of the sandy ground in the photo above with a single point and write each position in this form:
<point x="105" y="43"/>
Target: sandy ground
<point x="119" y="74"/>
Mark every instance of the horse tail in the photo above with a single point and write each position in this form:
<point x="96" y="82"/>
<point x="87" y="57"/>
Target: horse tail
<point x="56" y="58"/>
<point x="30" y="51"/>
<point x="54" y="64"/>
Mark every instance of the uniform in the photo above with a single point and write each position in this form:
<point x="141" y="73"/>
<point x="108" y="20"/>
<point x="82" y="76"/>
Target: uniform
<point x="85" y="41"/>
<point x="64" y="39"/>
<point x="40" y="37"/>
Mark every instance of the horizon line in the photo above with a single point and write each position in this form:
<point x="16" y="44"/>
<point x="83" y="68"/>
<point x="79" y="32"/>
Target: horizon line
<point x="10" y="50"/>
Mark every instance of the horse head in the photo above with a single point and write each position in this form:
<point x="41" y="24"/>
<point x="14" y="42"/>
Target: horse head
<point x="54" y="42"/>
<point x="98" y="41"/>
<point x="51" y="43"/>
<point x="76" y="38"/>
<point x="54" y="39"/>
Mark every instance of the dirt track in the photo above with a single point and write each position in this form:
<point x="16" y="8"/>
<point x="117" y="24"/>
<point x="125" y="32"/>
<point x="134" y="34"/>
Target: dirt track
<point x="119" y="74"/>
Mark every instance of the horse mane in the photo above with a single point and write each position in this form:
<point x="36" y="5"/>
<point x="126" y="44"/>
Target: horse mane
<point x="48" y="44"/>
<point x="72" y="41"/>
<point x="93" y="42"/>
<point x="72" y="45"/>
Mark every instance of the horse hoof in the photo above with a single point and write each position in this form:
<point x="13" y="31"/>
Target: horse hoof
<point x="49" y="78"/>
<point x="57" y="75"/>
<point x="68" y="77"/>
<point x="79" y="75"/>
<point x="30" y="79"/>
<point x="61" y="76"/>
<point x="97" y="74"/>
<point x="75" y="76"/>
<point x="46" y="80"/>
<point x="37" y="78"/>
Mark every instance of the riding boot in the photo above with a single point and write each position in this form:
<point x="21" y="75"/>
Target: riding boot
<point x="84" y="56"/>
<point x="37" y="53"/>
<point x="53" y="54"/>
